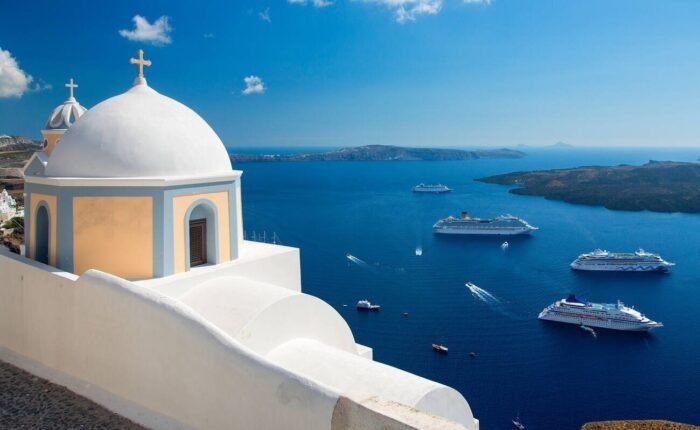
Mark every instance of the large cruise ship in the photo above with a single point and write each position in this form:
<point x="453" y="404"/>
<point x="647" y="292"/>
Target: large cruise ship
<point x="501" y="225"/>
<point x="614" y="316"/>
<point x="639" y="261"/>
<point x="430" y="188"/>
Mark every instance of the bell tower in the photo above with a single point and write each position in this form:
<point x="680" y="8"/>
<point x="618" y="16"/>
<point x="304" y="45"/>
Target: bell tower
<point x="62" y="117"/>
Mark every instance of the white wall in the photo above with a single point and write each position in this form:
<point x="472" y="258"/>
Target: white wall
<point x="155" y="360"/>
<point x="264" y="262"/>
<point x="149" y="350"/>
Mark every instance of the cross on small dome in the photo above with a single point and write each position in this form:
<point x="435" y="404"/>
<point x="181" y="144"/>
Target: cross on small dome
<point x="71" y="85"/>
<point x="140" y="62"/>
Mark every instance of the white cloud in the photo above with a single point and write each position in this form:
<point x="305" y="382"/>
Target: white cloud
<point x="42" y="86"/>
<point x="265" y="15"/>
<point x="409" y="10"/>
<point x="157" y="34"/>
<point x="253" y="85"/>
<point x="14" y="82"/>
<point x="316" y="3"/>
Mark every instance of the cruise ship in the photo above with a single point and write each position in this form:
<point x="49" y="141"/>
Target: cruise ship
<point x="428" y="188"/>
<point x="615" y="316"/>
<point x="501" y="225"/>
<point x="639" y="261"/>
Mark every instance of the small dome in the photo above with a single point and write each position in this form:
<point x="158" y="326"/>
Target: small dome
<point x="63" y="116"/>
<point x="140" y="133"/>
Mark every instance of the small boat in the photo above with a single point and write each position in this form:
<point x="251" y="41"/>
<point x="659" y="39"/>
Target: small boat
<point x="472" y="354"/>
<point x="589" y="330"/>
<point x="366" y="305"/>
<point x="438" y="347"/>
<point x="518" y="425"/>
<point x="471" y="285"/>
<point x="405" y="314"/>
<point x="505" y="245"/>
<point x="419" y="251"/>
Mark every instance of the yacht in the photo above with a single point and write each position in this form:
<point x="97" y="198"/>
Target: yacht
<point x="517" y="423"/>
<point x="501" y="225"/>
<point x="438" y="347"/>
<point x="639" y="261"/>
<point x="615" y="316"/>
<point x="589" y="330"/>
<point x="366" y="305"/>
<point x="430" y="188"/>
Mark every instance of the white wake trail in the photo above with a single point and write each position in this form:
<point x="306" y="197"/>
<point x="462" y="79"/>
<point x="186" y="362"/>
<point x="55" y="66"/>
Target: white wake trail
<point x="481" y="294"/>
<point x="357" y="260"/>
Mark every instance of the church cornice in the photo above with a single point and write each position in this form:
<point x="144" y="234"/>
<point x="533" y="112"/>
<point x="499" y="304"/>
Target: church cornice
<point x="133" y="182"/>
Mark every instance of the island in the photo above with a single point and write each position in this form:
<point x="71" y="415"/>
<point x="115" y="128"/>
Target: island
<point x="658" y="186"/>
<point x="382" y="153"/>
<point x="637" y="425"/>
<point x="558" y="145"/>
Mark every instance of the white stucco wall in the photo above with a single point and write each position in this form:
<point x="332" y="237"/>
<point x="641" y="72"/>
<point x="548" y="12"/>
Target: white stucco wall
<point x="264" y="262"/>
<point x="263" y="316"/>
<point x="160" y="362"/>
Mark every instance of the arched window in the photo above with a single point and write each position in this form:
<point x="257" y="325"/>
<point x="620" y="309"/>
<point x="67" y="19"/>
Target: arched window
<point x="202" y="234"/>
<point x="41" y="234"/>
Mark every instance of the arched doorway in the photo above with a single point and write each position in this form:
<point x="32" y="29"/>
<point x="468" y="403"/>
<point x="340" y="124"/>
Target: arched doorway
<point x="41" y="235"/>
<point x="201" y="234"/>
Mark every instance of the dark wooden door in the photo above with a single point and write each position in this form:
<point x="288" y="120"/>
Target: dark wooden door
<point x="198" y="242"/>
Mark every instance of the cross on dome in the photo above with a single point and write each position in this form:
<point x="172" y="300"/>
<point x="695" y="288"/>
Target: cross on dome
<point x="140" y="62"/>
<point x="71" y="85"/>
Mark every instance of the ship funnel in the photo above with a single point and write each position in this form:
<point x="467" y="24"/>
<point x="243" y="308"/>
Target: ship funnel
<point x="465" y="215"/>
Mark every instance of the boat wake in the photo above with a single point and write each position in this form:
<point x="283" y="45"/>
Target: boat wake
<point x="481" y="294"/>
<point x="357" y="261"/>
<point x="491" y="300"/>
<point x="375" y="268"/>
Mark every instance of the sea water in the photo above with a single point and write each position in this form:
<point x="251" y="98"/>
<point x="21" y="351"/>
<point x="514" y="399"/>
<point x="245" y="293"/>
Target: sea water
<point x="557" y="375"/>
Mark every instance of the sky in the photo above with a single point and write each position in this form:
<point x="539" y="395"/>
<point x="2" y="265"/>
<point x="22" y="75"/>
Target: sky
<point x="443" y="73"/>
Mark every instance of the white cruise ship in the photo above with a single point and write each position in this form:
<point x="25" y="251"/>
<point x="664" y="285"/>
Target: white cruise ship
<point x="615" y="316"/>
<point x="639" y="261"/>
<point x="428" y="188"/>
<point x="501" y="225"/>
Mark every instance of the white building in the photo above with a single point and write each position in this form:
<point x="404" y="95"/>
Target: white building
<point x="8" y="206"/>
<point x="139" y="291"/>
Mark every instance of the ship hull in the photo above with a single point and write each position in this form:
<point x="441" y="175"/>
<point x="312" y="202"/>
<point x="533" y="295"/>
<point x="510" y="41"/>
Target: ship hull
<point x="494" y="232"/>
<point x="597" y="323"/>
<point x="432" y="191"/>
<point x="659" y="268"/>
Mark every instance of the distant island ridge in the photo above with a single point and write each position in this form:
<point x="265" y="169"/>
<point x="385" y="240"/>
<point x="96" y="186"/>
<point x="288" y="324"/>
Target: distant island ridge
<point x="558" y="145"/>
<point x="657" y="186"/>
<point x="381" y="153"/>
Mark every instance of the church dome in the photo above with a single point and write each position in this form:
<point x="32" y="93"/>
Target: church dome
<point x="140" y="133"/>
<point x="65" y="115"/>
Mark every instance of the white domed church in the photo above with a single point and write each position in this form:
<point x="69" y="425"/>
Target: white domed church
<point x="140" y="187"/>
<point x="139" y="292"/>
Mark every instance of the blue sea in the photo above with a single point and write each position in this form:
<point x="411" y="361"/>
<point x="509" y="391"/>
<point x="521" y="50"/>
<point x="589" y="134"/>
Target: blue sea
<point x="556" y="376"/>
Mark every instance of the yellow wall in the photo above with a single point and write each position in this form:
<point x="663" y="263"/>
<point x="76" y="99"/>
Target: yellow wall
<point x="180" y="206"/>
<point x="50" y="201"/>
<point x="239" y="217"/>
<point x="113" y="234"/>
<point x="51" y="136"/>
